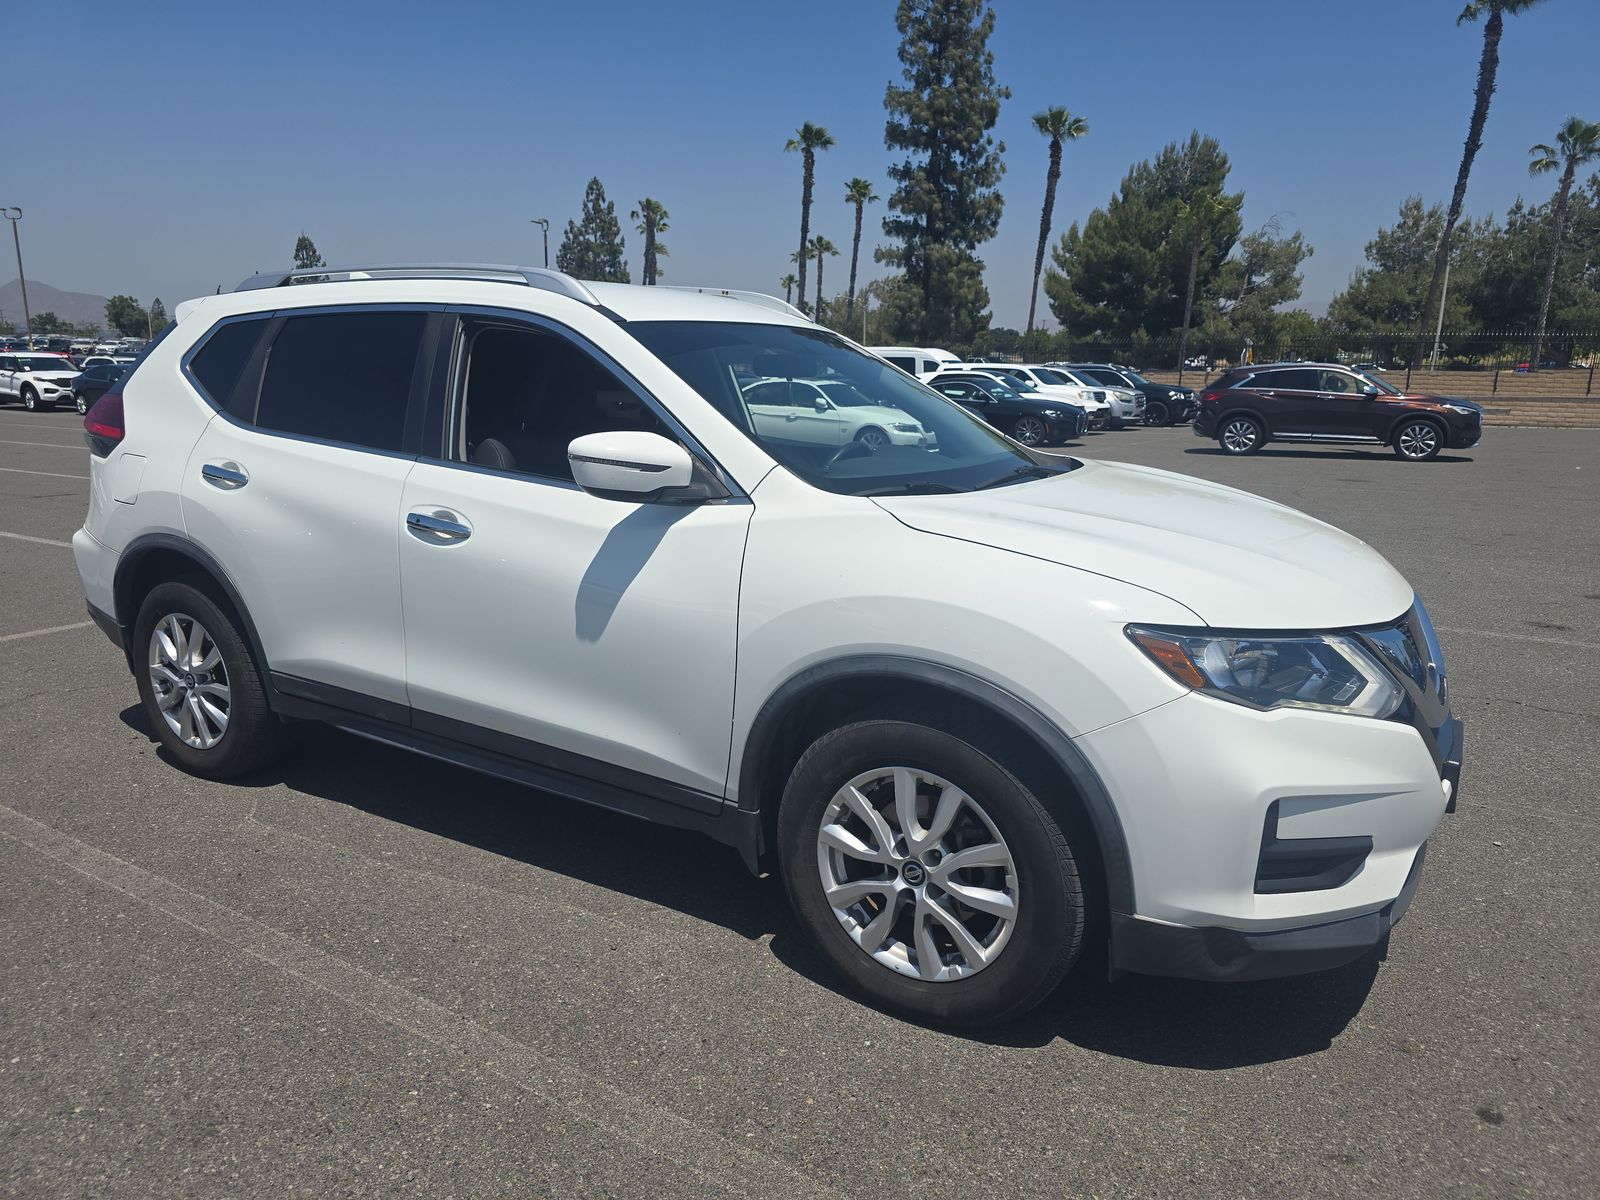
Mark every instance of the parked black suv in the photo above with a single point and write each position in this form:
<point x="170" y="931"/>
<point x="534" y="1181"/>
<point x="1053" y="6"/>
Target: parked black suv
<point x="1033" y="422"/>
<point x="95" y="381"/>
<point x="1164" y="403"/>
<point x="1325" y="402"/>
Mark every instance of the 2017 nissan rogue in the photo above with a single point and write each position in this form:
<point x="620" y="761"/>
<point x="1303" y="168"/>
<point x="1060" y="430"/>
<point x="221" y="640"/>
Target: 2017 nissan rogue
<point x="975" y="703"/>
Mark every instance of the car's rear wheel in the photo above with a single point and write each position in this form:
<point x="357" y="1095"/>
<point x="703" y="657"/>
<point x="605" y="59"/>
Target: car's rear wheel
<point x="1241" y="435"/>
<point x="1030" y="431"/>
<point x="1157" y="414"/>
<point x="1418" y="441"/>
<point x="928" y="874"/>
<point x="200" y="687"/>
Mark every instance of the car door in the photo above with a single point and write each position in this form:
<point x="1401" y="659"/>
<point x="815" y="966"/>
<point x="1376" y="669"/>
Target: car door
<point x="965" y="394"/>
<point x="8" y="376"/>
<point x="1349" y="410"/>
<point x="1290" y="401"/>
<point x="586" y="635"/>
<point x="295" y="489"/>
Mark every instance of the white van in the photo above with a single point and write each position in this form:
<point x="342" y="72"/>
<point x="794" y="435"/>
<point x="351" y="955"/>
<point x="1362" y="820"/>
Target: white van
<point x="917" y="361"/>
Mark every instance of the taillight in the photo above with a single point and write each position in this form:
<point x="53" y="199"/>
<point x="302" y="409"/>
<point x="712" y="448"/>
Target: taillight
<point x="102" y="425"/>
<point x="1209" y="396"/>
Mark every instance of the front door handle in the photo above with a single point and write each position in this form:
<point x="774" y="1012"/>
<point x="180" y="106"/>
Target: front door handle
<point x="229" y="476"/>
<point x="439" y="526"/>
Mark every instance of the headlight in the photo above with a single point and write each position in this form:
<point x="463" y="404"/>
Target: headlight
<point x="1053" y="413"/>
<point x="906" y="427"/>
<point x="1462" y="409"/>
<point x="1325" y="672"/>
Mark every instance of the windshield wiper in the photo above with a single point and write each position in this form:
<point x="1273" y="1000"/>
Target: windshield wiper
<point x="1037" y="471"/>
<point x="918" y="488"/>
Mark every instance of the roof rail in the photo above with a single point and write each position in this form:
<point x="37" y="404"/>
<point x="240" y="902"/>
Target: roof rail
<point x="534" y="277"/>
<point x="758" y="298"/>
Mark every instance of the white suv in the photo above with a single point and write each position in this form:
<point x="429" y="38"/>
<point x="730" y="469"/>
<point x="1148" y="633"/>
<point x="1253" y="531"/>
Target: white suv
<point x="975" y="702"/>
<point x="38" y="381"/>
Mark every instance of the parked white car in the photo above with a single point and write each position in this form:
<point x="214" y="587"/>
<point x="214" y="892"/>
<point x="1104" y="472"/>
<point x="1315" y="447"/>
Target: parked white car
<point x="826" y="412"/>
<point x="1127" y="404"/>
<point x="37" y="381"/>
<point x="975" y="703"/>
<point x="919" y="361"/>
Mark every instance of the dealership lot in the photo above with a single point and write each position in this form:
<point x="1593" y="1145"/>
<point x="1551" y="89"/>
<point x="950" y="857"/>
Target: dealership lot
<point x="363" y="971"/>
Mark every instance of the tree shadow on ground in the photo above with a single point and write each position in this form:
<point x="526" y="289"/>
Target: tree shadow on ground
<point x="1167" y="1022"/>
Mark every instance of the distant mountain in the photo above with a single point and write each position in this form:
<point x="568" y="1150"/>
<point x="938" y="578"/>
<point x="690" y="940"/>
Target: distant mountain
<point x="80" y="308"/>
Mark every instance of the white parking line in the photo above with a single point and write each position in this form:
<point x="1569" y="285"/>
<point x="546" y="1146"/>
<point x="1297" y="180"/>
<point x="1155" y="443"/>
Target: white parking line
<point x="17" y="637"/>
<point x="51" y="445"/>
<point x="1519" y="637"/>
<point x="53" y="474"/>
<point x="26" y="537"/>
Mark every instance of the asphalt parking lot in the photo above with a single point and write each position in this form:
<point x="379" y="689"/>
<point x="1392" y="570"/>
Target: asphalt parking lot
<point x="364" y="972"/>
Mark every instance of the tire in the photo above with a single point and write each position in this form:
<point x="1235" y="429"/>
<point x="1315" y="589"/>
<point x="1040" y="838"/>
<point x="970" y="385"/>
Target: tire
<point x="1241" y="435"/>
<point x="1026" y="861"/>
<point x="1157" y="414"/>
<point x="250" y="735"/>
<point x="873" y="438"/>
<point x="30" y="399"/>
<point x="1418" y="440"/>
<point x="1028" y="430"/>
<point x="80" y="403"/>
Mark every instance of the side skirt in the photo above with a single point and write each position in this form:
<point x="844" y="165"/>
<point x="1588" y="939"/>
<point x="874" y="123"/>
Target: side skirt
<point x="521" y="761"/>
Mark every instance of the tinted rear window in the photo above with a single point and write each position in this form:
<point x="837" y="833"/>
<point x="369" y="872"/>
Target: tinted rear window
<point x="342" y="377"/>
<point x="221" y="361"/>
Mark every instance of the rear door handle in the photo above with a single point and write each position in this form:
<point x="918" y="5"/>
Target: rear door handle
<point x="229" y="476"/>
<point x="440" y="526"/>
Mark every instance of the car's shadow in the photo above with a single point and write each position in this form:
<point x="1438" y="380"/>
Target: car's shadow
<point x="1159" y="1021"/>
<point x="1376" y="452"/>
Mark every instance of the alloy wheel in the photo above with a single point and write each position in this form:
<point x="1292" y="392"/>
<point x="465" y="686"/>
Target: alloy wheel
<point x="1418" y="440"/>
<point x="874" y="439"/>
<point x="1029" y="431"/>
<point x="82" y="404"/>
<point x="917" y="874"/>
<point x="1156" y="414"/>
<point x="189" y="680"/>
<point x="1240" y="436"/>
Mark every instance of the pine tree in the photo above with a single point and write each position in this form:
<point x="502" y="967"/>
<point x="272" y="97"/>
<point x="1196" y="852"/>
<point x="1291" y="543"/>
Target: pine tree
<point x="945" y="201"/>
<point x="305" y="254"/>
<point x="593" y="248"/>
<point x="158" y="314"/>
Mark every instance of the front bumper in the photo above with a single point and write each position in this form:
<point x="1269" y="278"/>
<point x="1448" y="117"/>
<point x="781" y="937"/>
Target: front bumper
<point x="1220" y="955"/>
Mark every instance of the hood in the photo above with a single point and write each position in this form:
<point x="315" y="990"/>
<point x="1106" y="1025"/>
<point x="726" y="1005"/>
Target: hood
<point x="881" y="413"/>
<point x="1233" y="559"/>
<point x="1419" y="398"/>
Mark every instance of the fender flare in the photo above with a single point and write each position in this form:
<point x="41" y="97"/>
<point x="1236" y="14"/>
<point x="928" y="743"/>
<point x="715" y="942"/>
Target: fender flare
<point x="140" y="548"/>
<point x="1059" y="748"/>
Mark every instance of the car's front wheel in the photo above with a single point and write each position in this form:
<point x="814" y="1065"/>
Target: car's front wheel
<point x="1157" y="414"/>
<point x="201" y="689"/>
<point x="929" y="875"/>
<point x="873" y="438"/>
<point x="1241" y="435"/>
<point x="1418" y="441"/>
<point x="30" y="399"/>
<point x="81" y="403"/>
<point x="1030" y="431"/>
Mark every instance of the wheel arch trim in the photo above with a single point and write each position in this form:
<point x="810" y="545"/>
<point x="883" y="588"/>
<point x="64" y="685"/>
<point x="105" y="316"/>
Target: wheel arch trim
<point x="1107" y="825"/>
<point x="141" y="548"/>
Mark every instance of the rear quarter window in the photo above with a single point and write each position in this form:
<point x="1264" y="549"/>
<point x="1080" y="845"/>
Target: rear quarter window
<point x="219" y="363"/>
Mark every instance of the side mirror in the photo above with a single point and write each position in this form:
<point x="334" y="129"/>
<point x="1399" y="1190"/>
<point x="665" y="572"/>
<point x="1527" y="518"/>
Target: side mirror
<point x="1370" y="390"/>
<point x="819" y="404"/>
<point x="629" y="464"/>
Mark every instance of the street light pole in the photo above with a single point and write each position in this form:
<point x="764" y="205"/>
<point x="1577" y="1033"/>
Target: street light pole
<point x="14" y="215"/>
<point x="544" y="224"/>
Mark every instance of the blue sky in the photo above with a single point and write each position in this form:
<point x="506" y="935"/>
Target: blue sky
<point x="188" y="147"/>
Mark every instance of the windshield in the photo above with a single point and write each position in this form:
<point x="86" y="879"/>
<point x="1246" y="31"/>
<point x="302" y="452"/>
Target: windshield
<point x="44" y="362"/>
<point x="765" y="378"/>
<point x="1057" y="376"/>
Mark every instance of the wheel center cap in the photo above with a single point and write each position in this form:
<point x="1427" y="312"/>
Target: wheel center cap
<point x="914" y="874"/>
<point x="188" y="680"/>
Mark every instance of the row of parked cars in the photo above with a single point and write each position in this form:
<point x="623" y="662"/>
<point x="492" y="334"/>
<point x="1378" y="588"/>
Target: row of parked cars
<point x="1042" y="404"/>
<point x="41" y="381"/>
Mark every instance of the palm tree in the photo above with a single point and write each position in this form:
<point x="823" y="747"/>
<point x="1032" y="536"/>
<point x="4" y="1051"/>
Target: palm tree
<point x="788" y="282"/>
<point x="1577" y="144"/>
<point x="1195" y="217"/>
<point x="820" y="246"/>
<point x="652" y="218"/>
<point x="1494" y="13"/>
<point x="859" y="193"/>
<point x="808" y="139"/>
<point x="1059" y="126"/>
